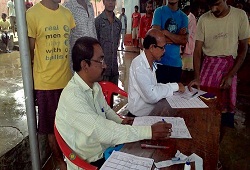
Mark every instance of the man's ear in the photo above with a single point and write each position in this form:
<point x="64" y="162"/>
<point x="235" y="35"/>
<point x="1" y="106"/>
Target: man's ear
<point x="84" y="65"/>
<point x="151" y="47"/>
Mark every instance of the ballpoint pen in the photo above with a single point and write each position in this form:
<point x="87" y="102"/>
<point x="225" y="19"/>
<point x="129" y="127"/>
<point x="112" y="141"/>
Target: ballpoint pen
<point x="154" y="146"/>
<point x="194" y="94"/>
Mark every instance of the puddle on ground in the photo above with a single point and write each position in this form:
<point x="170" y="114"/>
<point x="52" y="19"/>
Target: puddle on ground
<point x="13" y="121"/>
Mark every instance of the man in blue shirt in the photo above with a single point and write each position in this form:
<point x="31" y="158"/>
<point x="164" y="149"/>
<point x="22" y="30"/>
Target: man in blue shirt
<point x="174" y="24"/>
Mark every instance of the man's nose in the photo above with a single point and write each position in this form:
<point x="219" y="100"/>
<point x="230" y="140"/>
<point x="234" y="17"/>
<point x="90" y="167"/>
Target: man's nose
<point x="104" y="65"/>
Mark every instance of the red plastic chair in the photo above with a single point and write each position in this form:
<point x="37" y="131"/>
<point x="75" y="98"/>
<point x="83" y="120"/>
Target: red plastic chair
<point x="108" y="89"/>
<point x="70" y="154"/>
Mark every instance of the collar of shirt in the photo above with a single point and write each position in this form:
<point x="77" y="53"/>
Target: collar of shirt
<point x="104" y="16"/>
<point x="76" y="4"/>
<point x="84" y="86"/>
<point x="146" y="62"/>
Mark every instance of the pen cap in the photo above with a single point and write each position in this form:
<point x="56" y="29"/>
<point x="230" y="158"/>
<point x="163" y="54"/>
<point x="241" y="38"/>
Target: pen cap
<point x="187" y="166"/>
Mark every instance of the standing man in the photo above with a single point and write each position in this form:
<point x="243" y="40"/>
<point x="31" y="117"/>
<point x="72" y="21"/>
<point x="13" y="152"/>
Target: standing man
<point x="123" y="19"/>
<point x="4" y="32"/>
<point x="174" y="24"/>
<point x="49" y="26"/>
<point x="108" y="29"/>
<point x="83" y="118"/>
<point x="145" y="23"/>
<point x="12" y="15"/>
<point x="84" y="16"/>
<point x="188" y="49"/>
<point x="136" y="17"/>
<point x="224" y="49"/>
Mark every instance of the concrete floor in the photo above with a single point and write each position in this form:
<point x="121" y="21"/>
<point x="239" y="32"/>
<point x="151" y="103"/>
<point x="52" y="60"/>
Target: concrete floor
<point x="234" y="148"/>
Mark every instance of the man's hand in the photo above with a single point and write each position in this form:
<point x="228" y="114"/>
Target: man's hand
<point x="140" y="45"/>
<point x="181" y="88"/>
<point x="128" y="121"/>
<point x="183" y="31"/>
<point x="226" y="82"/>
<point x="161" y="130"/>
<point x="196" y="82"/>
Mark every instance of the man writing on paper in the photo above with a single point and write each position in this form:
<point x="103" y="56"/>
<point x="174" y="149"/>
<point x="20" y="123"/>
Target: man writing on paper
<point x="143" y="89"/>
<point x="224" y="50"/>
<point x="83" y="118"/>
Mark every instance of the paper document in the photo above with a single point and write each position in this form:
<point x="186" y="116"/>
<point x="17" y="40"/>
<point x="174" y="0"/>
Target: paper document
<point x="179" y="102"/>
<point x="179" y="128"/>
<point x="189" y="95"/>
<point x="120" y="160"/>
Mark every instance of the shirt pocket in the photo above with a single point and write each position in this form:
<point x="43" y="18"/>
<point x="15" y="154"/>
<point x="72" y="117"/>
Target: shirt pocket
<point x="105" y="32"/>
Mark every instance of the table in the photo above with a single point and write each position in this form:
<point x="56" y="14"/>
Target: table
<point x="204" y="127"/>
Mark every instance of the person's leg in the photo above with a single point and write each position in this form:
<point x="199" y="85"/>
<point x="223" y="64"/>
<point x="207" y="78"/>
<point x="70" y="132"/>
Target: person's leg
<point x="12" y="24"/>
<point x="123" y="37"/>
<point x="47" y="101"/>
<point x="57" y="153"/>
<point x="136" y="37"/>
<point x="98" y="163"/>
<point x="5" y="40"/>
<point x="174" y="74"/>
<point x="162" y="74"/>
<point x="133" y="36"/>
<point x="14" y="27"/>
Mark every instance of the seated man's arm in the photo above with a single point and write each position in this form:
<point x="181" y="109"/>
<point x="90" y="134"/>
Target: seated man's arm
<point x="151" y="93"/>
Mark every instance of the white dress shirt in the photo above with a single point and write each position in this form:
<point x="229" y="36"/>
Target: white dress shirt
<point x="143" y="89"/>
<point x="88" y="125"/>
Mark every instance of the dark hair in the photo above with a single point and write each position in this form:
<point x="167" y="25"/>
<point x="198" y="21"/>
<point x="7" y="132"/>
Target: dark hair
<point x="211" y="2"/>
<point x="136" y="7"/>
<point x="149" y="2"/>
<point x="83" y="50"/>
<point x="186" y="8"/>
<point x="148" y="40"/>
<point x="123" y="9"/>
<point x="3" y="14"/>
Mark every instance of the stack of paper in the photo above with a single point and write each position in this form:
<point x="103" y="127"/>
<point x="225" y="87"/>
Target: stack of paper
<point x="187" y="99"/>
<point x="120" y="160"/>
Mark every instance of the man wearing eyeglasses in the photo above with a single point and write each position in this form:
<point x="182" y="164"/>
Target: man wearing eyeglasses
<point x="84" y="119"/>
<point x="143" y="89"/>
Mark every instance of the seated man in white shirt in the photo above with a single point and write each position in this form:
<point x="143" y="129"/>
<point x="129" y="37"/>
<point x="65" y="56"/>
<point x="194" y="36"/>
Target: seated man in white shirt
<point x="84" y="119"/>
<point x="143" y="90"/>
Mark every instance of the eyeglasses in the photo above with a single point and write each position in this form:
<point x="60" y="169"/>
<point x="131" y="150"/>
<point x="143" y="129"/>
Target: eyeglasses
<point x="162" y="48"/>
<point x="101" y="61"/>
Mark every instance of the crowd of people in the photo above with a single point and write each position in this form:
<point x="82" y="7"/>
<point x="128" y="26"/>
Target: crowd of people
<point x="72" y="50"/>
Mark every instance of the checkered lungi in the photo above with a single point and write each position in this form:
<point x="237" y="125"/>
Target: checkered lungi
<point x="212" y="72"/>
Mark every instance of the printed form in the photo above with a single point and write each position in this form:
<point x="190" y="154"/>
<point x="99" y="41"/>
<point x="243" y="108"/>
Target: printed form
<point x="187" y="99"/>
<point x="179" y="128"/>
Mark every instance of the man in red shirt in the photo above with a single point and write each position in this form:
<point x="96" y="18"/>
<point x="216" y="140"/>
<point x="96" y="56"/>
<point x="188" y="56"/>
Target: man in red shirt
<point x="145" y="23"/>
<point x="136" y="17"/>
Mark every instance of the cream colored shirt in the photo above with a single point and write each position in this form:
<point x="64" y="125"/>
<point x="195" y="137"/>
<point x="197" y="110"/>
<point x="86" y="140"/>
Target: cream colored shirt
<point x="221" y="35"/>
<point x="88" y="125"/>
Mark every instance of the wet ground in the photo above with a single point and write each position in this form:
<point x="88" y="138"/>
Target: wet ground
<point x="13" y="122"/>
<point x="235" y="144"/>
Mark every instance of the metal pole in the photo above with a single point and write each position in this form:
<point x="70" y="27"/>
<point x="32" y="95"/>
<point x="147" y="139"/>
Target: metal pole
<point x="27" y="82"/>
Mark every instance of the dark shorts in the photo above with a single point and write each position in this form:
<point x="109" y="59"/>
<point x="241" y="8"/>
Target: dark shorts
<point x="47" y="101"/>
<point x="168" y="74"/>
